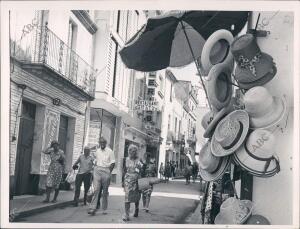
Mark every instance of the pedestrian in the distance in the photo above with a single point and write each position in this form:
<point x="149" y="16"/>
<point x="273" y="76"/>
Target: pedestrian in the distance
<point x="55" y="170"/>
<point x="195" y="171"/>
<point x="172" y="164"/>
<point x="167" y="172"/>
<point x="149" y="170"/>
<point x="132" y="171"/>
<point x="84" y="174"/>
<point x="161" y="170"/>
<point x="104" y="164"/>
<point x="187" y="172"/>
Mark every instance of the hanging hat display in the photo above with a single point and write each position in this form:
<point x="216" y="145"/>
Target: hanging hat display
<point x="210" y="167"/>
<point x="234" y="211"/>
<point x="264" y="109"/>
<point x="230" y="133"/>
<point x="258" y="220"/>
<point x="256" y="156"/>
<point x="216" y="50"/>
<point x="219" y="86"/>
<point x="253" y="66"/>
<point x="212" y="118"/>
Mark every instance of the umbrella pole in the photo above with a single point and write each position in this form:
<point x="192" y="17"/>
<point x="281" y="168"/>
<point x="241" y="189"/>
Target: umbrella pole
<point x="195" y="61"/>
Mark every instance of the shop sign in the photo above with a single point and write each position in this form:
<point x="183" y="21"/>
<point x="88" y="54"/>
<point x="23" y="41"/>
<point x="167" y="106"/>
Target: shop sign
<point x="146" y="105"/>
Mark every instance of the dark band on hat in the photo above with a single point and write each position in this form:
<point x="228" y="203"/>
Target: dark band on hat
<point x="237" y="138"/>
<point x="219" y="165"/>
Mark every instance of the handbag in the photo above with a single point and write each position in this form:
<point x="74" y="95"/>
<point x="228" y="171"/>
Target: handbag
<point x="71" y="177"/>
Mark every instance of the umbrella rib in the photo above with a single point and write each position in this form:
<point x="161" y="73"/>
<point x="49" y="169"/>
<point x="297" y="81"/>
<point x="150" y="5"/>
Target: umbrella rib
<point x="188" y="41"/>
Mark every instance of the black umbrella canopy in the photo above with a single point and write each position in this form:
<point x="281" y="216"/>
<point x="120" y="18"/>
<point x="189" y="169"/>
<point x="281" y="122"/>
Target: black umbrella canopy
<point x="162" y="42"/>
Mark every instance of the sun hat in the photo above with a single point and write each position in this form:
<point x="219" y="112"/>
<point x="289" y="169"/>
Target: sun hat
<point x="248" y="56"/>
<point x="234" y="211"/>
<point x="212" y="118"/>
<point x="216" y="50"/>
<point x="262" y="81"/>
<point x="230" y="133"/>
<point x="256" y="155"/>
<point x="258" y="220"/>
<point x="219" y="86"/>
<point x="210" y="167"/>
<point x="264" y="109"/>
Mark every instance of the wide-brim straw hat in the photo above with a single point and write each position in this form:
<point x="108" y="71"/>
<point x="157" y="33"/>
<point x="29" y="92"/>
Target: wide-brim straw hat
<point x="216" y="50"/>
<point x="230" y="133"/>
<point x="234" y="211"/>
<point x="219" y="86"/>
<point x="210" y="167"/>
<point x="260" y="82"/>
<point x="256" y="155"/>
<point x="212" y="118"/>
<point x="265" y="110"/>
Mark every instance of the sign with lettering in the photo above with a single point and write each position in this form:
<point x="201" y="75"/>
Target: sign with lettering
<point x="146" y="105"/>
<point x="51" y="133"/>
<point x="94" y="133"/>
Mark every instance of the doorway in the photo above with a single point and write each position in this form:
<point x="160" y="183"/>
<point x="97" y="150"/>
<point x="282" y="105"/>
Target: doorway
<point x="62" y="139"/>
<point x="24" y="149"/>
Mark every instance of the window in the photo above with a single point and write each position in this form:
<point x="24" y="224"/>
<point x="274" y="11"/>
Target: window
<point x="115" y="67"/>
<point x="151" y="91"/>
<point x="169" y="122"/>
<point x="152" y="73"/>
<point x="161" y="83"/>
<point x="73" y="28"/>
<point x="151" y="82"/>
<point x="175" y="125"/>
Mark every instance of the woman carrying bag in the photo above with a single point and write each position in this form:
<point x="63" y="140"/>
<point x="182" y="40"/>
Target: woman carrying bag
<point x="55" y="170"/>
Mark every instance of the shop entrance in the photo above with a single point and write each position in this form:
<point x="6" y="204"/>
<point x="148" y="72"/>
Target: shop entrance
<point x="62" y="139"/>
<point x="24" y="149"/>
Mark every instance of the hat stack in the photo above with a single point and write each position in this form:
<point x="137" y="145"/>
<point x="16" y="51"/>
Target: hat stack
<point x="242" y="136"/>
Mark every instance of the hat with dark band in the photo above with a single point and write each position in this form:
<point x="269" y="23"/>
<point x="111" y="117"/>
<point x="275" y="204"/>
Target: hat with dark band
<point x="210" y="167"/>
<point x="230" y="133"/>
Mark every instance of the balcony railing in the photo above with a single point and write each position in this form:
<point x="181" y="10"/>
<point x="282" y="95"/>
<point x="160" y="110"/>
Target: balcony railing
<point x="42" y="46"/>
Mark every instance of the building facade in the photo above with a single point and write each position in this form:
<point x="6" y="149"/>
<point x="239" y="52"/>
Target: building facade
<point x="52" y="83"/>
<point x="113" y="113"/>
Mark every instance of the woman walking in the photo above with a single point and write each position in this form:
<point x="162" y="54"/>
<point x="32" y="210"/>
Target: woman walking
<point x="161" y="170"/>
<point x="149" y="170"/>
<point x="55" y="170"/>
<point x="132" y="170"/>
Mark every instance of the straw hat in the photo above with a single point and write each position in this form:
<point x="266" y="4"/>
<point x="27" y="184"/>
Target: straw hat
<point x="234" y="211"/>
<point x="264" y="109"/>
<point x="219" y="86"/>
<point x="230" y="133"/>
<point x="216" y="50"/>
<point x="256" y="156"/>
<point x="258" y="220"/>
<point x="248" y="56"/>
<point x="212" y="118"/>
<point x="210" y="167"/>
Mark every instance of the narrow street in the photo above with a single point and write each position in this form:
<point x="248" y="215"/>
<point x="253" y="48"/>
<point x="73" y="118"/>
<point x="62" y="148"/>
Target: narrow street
<point x="170" y="203"/>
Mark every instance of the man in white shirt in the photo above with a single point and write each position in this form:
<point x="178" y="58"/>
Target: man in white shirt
<point x="104" y="164"/>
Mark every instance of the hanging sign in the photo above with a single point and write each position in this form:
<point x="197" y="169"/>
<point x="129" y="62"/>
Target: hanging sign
<point x="146" y="105"/>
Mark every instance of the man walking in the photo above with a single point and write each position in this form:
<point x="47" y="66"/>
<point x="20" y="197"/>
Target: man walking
<point x="105" y="162"/>
<point x="84" y="174"/>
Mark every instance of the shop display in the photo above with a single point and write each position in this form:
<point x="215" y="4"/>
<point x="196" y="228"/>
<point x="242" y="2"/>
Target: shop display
<point x="254" y="67"/>
<point x="256" y="156"/>
<point x="234" y="211"/>
<point x="216" y="50"/>
<point x="264" y="109"/>
<point x="230" y="133"/>
<point x="211" y="167"/>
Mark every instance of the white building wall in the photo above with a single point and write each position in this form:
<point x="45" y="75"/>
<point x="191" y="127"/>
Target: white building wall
<point x="277" y="191"/>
